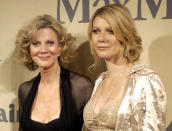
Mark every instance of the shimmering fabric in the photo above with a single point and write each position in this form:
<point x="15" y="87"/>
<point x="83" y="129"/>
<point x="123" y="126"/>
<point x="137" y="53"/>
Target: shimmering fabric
<point x="143" y="106"/>
<point x="104" y="120"/>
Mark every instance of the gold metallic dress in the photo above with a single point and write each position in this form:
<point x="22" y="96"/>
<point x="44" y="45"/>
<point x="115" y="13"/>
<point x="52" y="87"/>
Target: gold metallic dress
<point x="142" y="108"/>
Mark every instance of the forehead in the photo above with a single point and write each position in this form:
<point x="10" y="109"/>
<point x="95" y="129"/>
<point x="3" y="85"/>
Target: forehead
<point x="100" y="22"/>
<point x="44" y="32"/>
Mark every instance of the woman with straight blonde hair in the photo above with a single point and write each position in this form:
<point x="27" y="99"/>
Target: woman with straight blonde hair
<point x="128" y="96"/>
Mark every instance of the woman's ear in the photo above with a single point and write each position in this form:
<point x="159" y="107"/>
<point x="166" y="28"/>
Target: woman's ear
<point x="61" y="45"/>
<point x="60" y="48"/>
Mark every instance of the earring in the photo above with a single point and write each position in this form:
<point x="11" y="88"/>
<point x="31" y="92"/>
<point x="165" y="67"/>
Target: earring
<point x="125" y="54"/>
<point x="58" y="54"/>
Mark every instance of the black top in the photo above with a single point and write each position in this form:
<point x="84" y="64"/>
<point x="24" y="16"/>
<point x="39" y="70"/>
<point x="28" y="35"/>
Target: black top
<point x="75" y="91"/>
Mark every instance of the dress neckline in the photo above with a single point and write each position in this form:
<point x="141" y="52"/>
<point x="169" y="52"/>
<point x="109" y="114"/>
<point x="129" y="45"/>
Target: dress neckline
<point x="68" y="107"/>
<point x="51" y="121"/>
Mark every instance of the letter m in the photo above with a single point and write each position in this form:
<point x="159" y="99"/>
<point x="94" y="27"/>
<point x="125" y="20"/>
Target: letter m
<point x="70" y="12"/>
<point x="153" y="7"/>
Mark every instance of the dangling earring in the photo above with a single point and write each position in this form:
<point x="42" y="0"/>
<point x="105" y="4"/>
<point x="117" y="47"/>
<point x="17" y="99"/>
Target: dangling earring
<point x="59" y="54"/>
<point x="59" y="51"/>
<point x="125" y="54"/>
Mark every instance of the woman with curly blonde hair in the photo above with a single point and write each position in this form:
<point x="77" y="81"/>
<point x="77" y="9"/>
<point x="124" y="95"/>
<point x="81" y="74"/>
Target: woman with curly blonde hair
<point x="128" y="96"/>
<point x="53" y="100"/>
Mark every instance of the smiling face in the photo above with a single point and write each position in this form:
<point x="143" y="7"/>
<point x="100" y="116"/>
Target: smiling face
<point x="45" y="48"/>
<point x="105" y="44"/>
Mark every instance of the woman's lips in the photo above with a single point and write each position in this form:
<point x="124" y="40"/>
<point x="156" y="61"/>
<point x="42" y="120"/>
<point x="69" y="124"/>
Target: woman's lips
<point x="102" y="47"/>
<point x="43" y="57"/>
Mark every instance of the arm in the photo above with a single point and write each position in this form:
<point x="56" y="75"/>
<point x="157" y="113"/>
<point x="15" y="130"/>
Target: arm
<point x="155" y="104"/>
<point x="23" y="91"/>
<point x="81" y="90"/>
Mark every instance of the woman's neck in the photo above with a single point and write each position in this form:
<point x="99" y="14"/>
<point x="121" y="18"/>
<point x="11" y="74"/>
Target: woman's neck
<point x="50" y="75"/>
<point x="117" y="68"/>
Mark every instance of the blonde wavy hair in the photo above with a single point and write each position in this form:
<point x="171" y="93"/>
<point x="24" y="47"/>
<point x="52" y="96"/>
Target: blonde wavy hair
<point x="25" y="36"/>
<point x="122" y="23"/>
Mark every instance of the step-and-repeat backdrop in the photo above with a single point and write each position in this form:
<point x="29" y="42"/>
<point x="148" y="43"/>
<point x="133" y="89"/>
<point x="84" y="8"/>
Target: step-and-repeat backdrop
<point x="153" y="20"/>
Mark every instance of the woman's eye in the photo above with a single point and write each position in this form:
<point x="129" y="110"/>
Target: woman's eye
<point x="35" y="43"/>
<point x="110" y="31"/>
<point x="95" y="31"/>
<point x="50" y="42"/>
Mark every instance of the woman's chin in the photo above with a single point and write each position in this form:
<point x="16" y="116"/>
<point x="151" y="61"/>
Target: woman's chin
<point x="44" y="67"/>
<point x="105" y="56"/>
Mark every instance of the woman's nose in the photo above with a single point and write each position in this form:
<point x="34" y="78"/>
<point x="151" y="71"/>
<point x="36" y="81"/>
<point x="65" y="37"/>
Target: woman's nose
<point x="101" y="37"/>
<point x="43" y="48"/>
